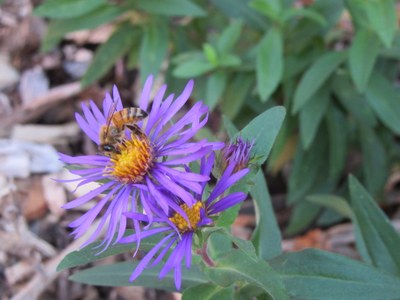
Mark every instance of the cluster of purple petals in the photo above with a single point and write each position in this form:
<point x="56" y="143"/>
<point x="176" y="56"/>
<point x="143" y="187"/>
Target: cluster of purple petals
<point x="180" y="244"/>
<point x="238" y="152"/>
<point x="172" y="147"/>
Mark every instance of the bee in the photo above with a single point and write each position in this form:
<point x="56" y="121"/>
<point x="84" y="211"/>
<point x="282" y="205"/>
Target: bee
<point x="113" y="132"/>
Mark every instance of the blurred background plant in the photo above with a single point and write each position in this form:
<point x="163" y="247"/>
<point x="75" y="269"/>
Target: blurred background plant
<point x="332" y="64"/>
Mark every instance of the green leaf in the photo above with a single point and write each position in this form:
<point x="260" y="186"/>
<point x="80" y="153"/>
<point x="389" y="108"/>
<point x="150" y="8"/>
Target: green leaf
<point x="240" y="10"/>
<point x="64" y="9"/>
<point x="237" y="266"/>
<point x="193" y="68"/>
<point x="57" y="29"/>
<point x="309" y="162"/>
<point x="215" y="87"/>
<point x="269" y="64"/>
<point x="171" y="7"/>
<point x="352" y="101"/>
<point x="333" y="202"/>
<point x="308" y="13"/>
<point x="270" y="8"/>
<point x="236" y="93"/>
<point x="385" y="101"/>
<point x="218" y="244"/>
<point x="154" y="48"/>
<point x="314" y="274"/>
<point x="108" y="53"/>
<point x="208" y="291"/>
<point x="118" y="275"/>
<point x="374" y="165"/>
<point x="210" y="54"/>
<point x="229" y="60"/>
<point x="315" y="77"/>
<point x="312" y="114"/>
<point x="383" y="19"/>
<point x="91" y="253"/>
<point x="266" y="237"/>
<point x="380" y="237"/>
<point x="362" y="61"/>
<point x="263" y="130"/>
<point x="229" y="37"/>
<point x="337" y="134"/>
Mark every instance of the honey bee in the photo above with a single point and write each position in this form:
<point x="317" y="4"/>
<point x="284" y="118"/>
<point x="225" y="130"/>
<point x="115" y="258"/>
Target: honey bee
<point x="113" y="132"/>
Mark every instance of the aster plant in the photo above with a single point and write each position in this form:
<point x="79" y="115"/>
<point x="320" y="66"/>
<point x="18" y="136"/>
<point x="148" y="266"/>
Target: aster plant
<point x="129" y="178"/>
<point x="180" y="219"/>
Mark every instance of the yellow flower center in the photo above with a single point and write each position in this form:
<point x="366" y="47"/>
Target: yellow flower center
<point x="134" y="159"/>
<point x="193" y="214"/>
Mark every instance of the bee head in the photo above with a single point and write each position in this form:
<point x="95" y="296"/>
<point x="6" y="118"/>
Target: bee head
<point x="108" y="149"/>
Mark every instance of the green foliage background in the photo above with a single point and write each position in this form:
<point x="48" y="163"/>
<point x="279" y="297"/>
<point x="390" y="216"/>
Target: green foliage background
<point x="332" y="64"/>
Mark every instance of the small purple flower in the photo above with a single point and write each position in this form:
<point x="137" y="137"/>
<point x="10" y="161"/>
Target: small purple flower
<point x="238" y="152"/>
<point x="180" y="227"/>
<point x="130" y="178"/>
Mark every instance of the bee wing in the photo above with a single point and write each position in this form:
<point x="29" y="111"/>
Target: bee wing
<point x="110" y="115"/>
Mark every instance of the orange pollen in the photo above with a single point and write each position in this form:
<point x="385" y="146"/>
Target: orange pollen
<point x="193" y="214"/>
<point x="134" y="159"/>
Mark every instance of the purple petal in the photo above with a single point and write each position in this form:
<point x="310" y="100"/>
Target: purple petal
<point x="174" y="188"/>
<point x="143" y="234"/>
<point x="97" y="113"/>
<point x="89" y="196"/>
<point x="145" y="95"/>
<point x="89" y="130"/>
<point x="223" y="185"/>
<point x="226" y="202"/>
<point x="189" y="158"/>
<point x="152" y="120"/>
<point x="163" y="252"/>
<point x="178" y="277"/>
<point x="145" y="260"/>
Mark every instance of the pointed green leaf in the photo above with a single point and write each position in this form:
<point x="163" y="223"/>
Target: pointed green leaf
<point x="193" y="68"/>
<point x="266" y="237"/>
<point x="216" y="84"/>
<point x="263" y="130"/>
<point x="333" y="202"/>
<point x="236" y="93"/>
<point x="208" y="291"/>
<point x="361" y="60"/>
<point x="63" y="9"/>
<point x="57" y="29"/>
<point x="337" y="134"/>
<point x="314" y="275"/>
<point x="315" y="77"/>
<point x="269" y="65"/>
<point x="383" y="18"/>
<point x="171" y="7"/>
<point x="154" y="48"/>
<point x="385" y="101"/>
<point x="375" y="168"/>
<point x="116" y="46"/>
<point x="240" y="10"/>
<point x="377" y="233"/>
<point x="118" y="275"/>
<point x="354" y="103"/>
<point x="311" y="116"/>
<point x="229" y="37"/>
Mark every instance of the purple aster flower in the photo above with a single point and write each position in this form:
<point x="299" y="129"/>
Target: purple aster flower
<point x="238" y="153"/>
<point x="146" y="156"/>
<point x="179" y="228"/>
